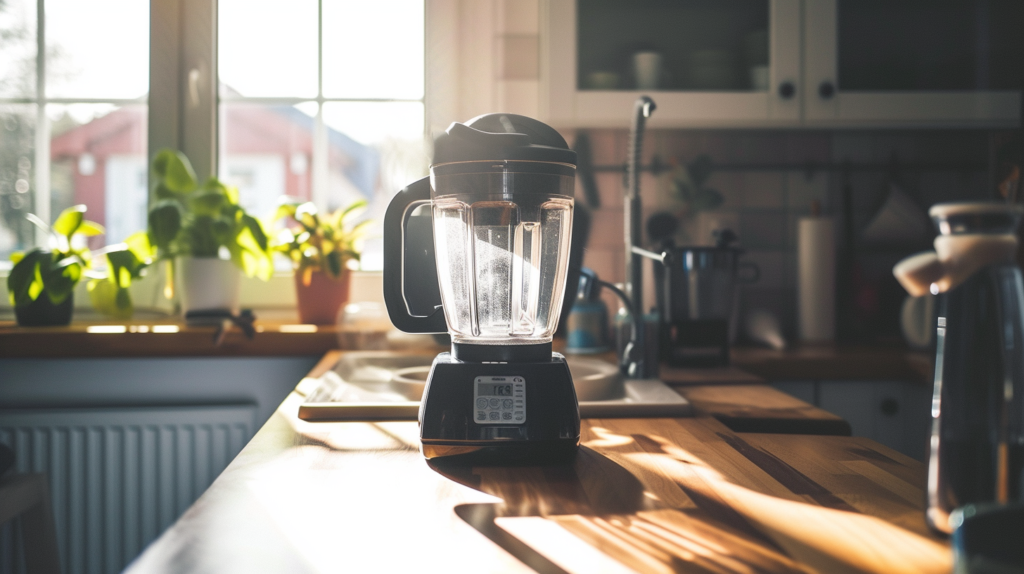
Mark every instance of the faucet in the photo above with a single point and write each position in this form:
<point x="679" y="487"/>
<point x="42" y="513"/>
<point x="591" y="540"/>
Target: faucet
<point x="633" y="361"/>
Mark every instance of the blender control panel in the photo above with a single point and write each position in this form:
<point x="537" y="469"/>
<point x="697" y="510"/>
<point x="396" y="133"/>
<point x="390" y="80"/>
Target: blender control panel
<point x="499" y="400"/>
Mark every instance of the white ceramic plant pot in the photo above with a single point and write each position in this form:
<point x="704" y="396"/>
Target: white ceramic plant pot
<point x="208" y="283"/>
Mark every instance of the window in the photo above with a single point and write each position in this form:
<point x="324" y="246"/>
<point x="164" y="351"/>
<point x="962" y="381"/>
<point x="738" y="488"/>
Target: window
<point x="317" y="99"/>
<point x="73" y="114"/>
<point x="329" y="110"/>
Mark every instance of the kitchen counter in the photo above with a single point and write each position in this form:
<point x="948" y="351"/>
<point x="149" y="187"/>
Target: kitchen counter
<point x="651" y="493"/>
<point x="837" y="362"/>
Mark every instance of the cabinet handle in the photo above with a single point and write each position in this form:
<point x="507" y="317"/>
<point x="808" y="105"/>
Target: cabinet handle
<point x="890" y="407"/>
<point x="826" y="90"/>
<point x="787" y="90"/>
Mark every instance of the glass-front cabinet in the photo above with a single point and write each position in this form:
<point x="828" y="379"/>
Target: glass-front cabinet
<point x="783" y="63"/>
<point x="914" y="62"/>
<point x="706" y="62"/>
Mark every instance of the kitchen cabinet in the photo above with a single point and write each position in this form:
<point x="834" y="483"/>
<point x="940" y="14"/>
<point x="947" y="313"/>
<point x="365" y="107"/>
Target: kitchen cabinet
<point x="894" y="413"/>
<point x="574" y="57"/>
<point x="886" y="63"/>
<point x="829" y="63"/>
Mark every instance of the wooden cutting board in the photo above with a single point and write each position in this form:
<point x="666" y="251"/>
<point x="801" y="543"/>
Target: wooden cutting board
<point x="681" y="495"/>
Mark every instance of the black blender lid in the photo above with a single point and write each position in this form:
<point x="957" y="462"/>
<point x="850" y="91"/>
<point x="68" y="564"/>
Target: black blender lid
<point x="493" y="137"/>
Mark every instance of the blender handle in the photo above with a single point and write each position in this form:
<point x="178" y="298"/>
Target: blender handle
<point x="396" y="219"/>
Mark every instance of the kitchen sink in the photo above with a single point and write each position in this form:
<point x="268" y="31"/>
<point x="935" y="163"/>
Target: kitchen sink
<point x="387" y="385"/>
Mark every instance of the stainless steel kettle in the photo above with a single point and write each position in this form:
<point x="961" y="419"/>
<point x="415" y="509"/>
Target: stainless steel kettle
<point x="977" y="440"/>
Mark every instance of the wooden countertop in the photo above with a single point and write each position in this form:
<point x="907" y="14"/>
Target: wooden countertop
<point x="836" y="362"/>
<point x="653" y="495"/>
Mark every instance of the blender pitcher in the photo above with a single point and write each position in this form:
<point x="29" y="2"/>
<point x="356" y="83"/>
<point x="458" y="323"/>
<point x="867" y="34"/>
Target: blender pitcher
<point x="487" y="263"/>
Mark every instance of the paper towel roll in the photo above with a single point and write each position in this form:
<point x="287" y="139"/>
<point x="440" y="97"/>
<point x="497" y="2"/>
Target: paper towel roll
<point x="816" y="269"/>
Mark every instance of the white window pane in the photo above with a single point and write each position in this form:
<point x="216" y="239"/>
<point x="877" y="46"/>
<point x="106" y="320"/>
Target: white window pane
<point x="98" y="157"/>
<point x="268" y="48"/>
<point x="17" y="177"/>
<point x="97" y="49"/>
<point x="266" y="152"/>
<point x="376" y="122"/>
<point x="394" y="155"/>
<point x="373" y="49"/>
<point x="17" y="48"/>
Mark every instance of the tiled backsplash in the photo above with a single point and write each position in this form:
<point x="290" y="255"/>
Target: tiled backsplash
<point x="763" y="207"/>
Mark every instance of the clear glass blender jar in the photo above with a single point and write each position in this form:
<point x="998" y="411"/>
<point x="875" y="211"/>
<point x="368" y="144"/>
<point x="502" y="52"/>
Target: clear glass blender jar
<point x="501" y="238"/>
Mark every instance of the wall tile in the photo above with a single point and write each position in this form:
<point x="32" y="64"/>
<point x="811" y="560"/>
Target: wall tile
<point x="779" y="302"/>
<point x="706" y="223"/>
<point x="771" y="264"/>
<point x="730" y="185"/>
<point x="757" y="147"/>
<point x="519" y="17"/>
<point x="763" y="229"/>
<point x="606" y="229"/>
<point x="609" y="188"/>
<point x="804" y="147"/>
<point x="608" y="263"/>
<point x="763" y="189"/>
<point x="803" y="188"/>
<point x="518" y="57"/>
<point x="851" y="146"/>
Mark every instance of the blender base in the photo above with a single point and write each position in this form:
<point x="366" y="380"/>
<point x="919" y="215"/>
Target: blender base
<point x="499" y="413"/>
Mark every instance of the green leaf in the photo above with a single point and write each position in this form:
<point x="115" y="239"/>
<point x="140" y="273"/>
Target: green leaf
<point x="352" y="208"/>
<point x="25" y="282"/>
<point x="256" y="229"/>
<point x="138" y="243"/>
<point x="175" y="171"/>
<point x="91" y="228"/>
<point x="123" y="266"/>
<point x="285" y="211"/>
<point x="163" y="192"/>
<point x="59" y="280"/>
<point x="208" y="202"/>
<point x="69" y="220"/>
<point x="110" y="299"/>
<point x="334" y="264"/>
<point x="164" y="224"/>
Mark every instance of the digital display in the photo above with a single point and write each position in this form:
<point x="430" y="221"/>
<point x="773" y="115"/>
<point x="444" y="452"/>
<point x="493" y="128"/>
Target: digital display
<point x="485" y="389"/>
<point x="499" y="400"/>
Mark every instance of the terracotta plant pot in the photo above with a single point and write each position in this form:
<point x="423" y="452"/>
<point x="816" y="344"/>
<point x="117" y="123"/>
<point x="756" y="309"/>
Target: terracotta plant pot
<point x="320" y="301"/>
<point x="43" y="313"/>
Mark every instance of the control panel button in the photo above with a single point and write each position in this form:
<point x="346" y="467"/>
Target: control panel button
<point x="506" y="416"/>
<point x="493" y="415"/>
<point x="481" y="403"/>
<point x="507" y="403"/>
<point x="481" y="416"/>
<point x="495" y="403"/>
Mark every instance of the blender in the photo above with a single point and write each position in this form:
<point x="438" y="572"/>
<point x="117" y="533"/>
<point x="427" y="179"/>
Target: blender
<point x="480" y="249"/>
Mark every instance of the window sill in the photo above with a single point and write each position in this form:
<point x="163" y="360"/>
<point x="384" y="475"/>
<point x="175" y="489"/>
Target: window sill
<point x="278" y="334"/>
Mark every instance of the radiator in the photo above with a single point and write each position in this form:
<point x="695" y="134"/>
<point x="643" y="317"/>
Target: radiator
<point x="118" y="476"/>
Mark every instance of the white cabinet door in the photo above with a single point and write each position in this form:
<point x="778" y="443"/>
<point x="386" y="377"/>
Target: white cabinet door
<point x="564" y="104"/>
<point x="894" y="413"/>
<point x="907" y="93"/>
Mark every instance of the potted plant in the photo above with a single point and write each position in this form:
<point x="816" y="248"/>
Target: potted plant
<point x="203" y="227"/>
<point x="42" y="281"/>
<point x="125" y="262"/>
<point x="320" y="249"/>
